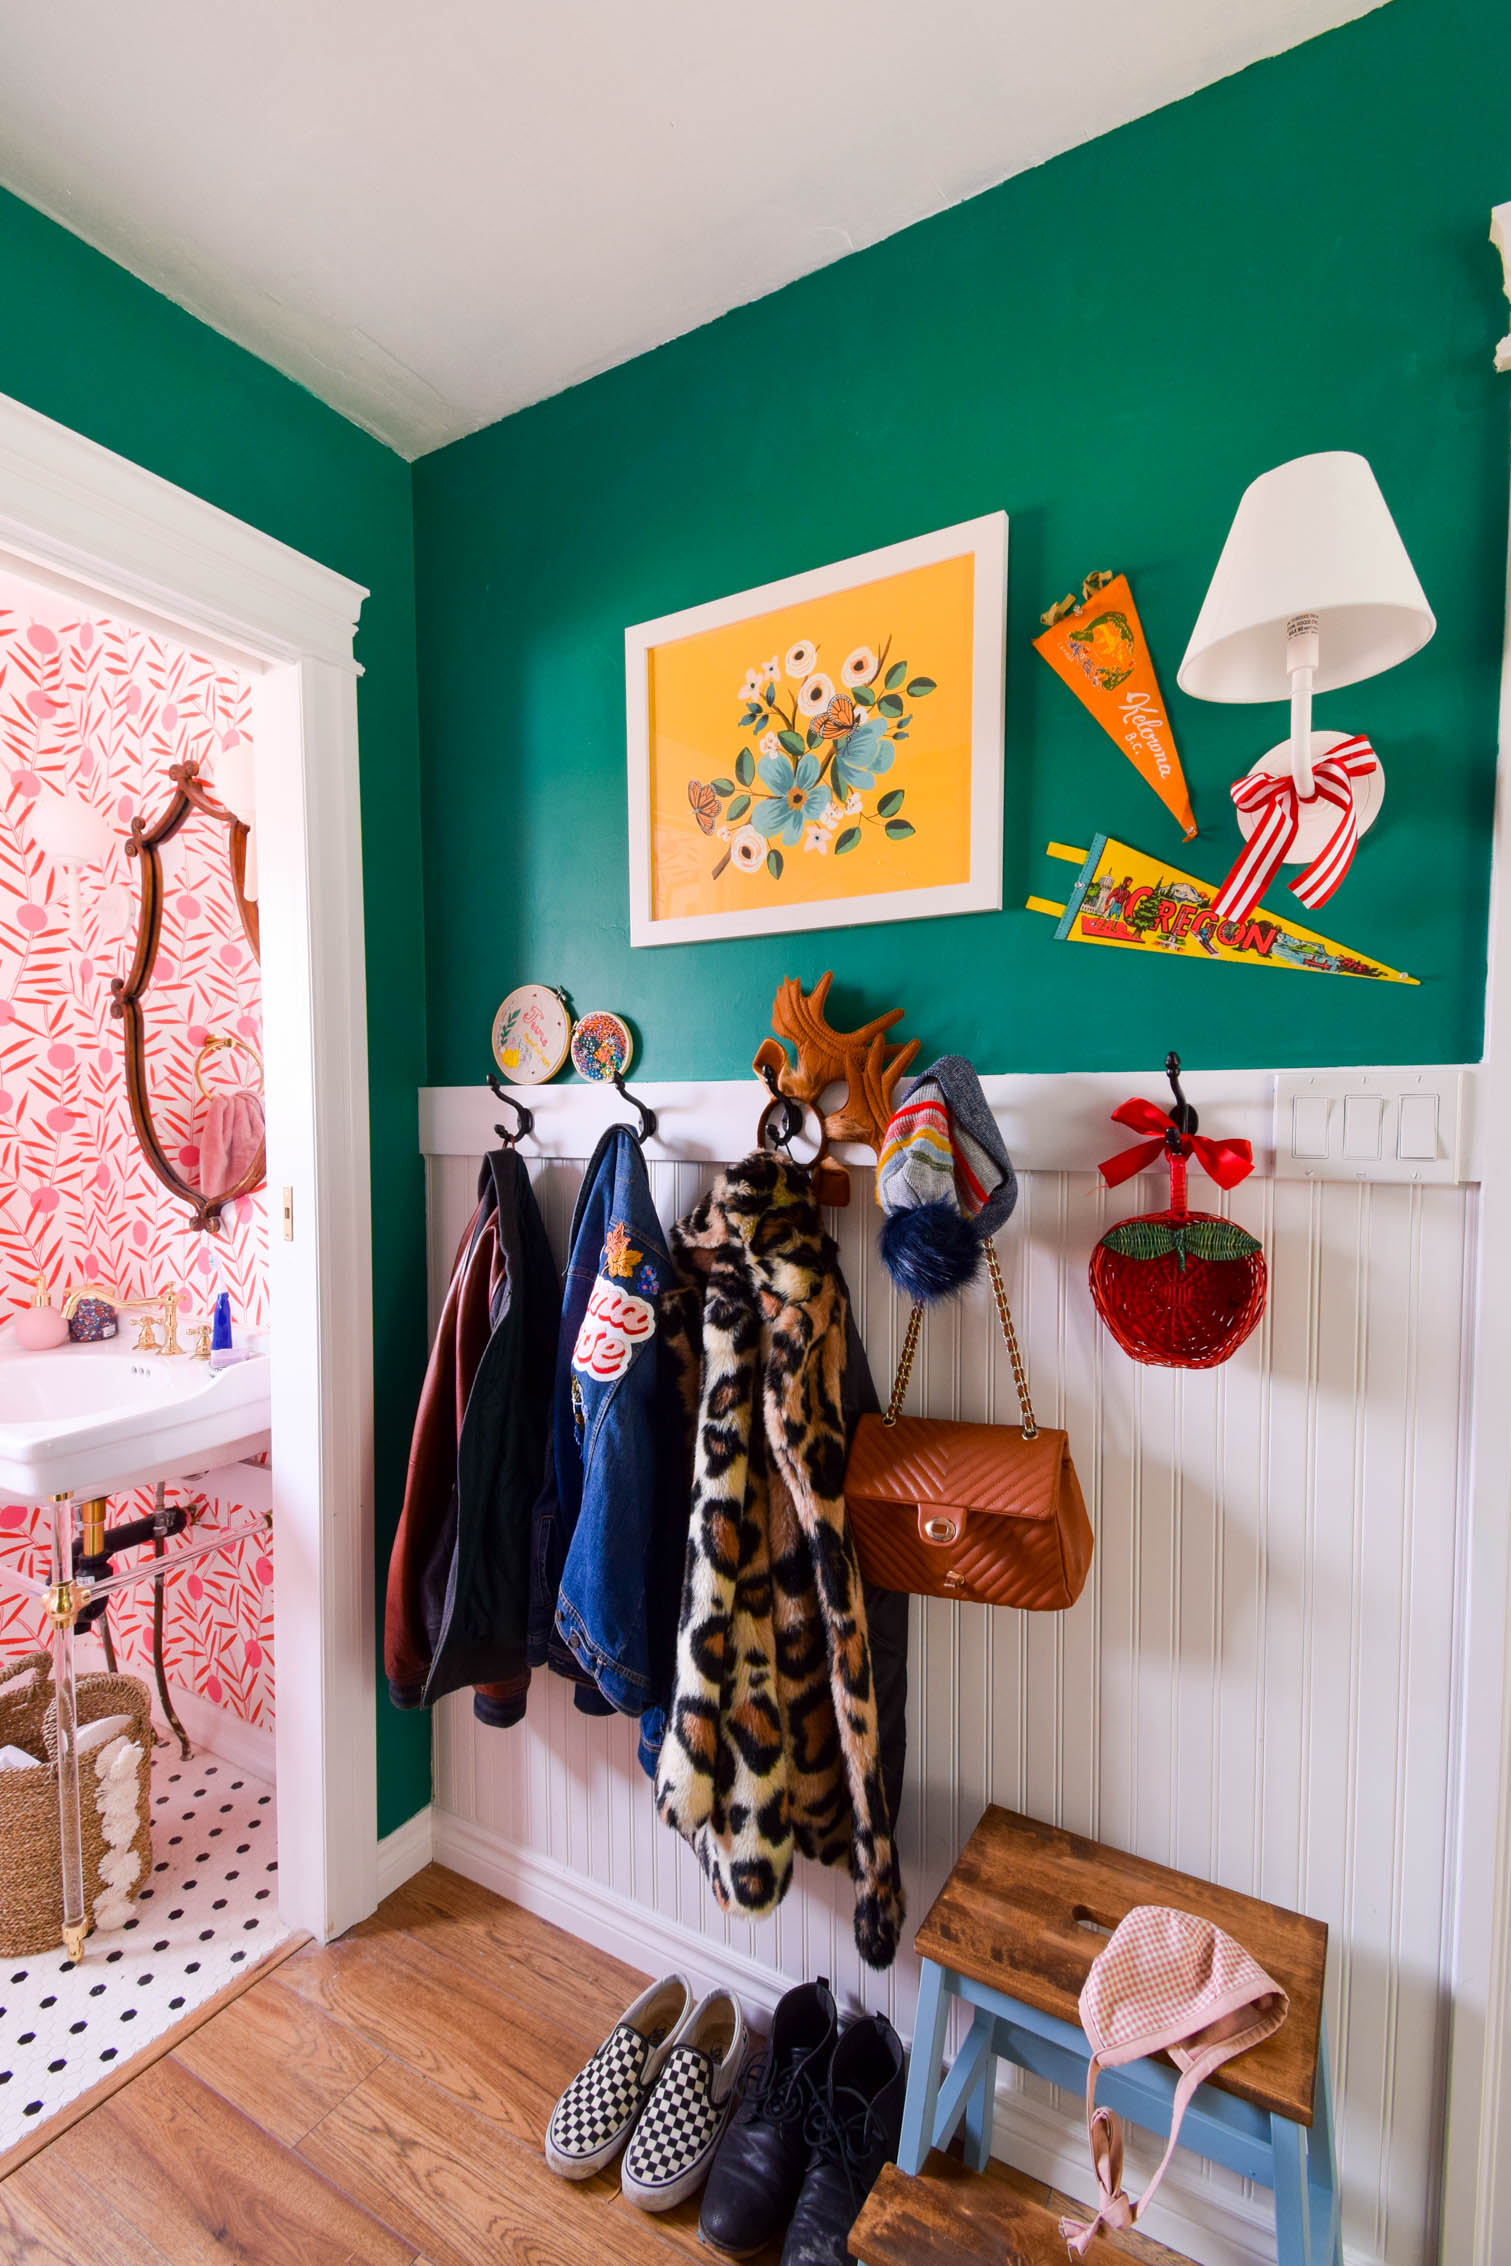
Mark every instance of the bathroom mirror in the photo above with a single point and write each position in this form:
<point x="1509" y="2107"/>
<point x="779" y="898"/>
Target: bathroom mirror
<point x="193" y="1081"/>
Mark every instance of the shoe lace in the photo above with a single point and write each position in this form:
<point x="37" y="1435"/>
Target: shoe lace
<point x="847" y="2142"/>
<point x="778" y="2089"/>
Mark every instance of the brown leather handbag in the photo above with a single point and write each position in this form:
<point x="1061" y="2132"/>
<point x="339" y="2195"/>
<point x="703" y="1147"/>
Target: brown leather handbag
<point x="992" y="1513"/>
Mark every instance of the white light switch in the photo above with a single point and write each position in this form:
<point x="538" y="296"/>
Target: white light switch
<point x="1361" y="1125"/>
<point x="1404" y="1125"/>
<point x="1309" y="1125"/>
<point x="1418" y="1134"/>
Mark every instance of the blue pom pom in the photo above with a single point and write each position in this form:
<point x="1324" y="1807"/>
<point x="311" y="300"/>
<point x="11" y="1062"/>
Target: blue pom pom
<point x="930" y="1251"/>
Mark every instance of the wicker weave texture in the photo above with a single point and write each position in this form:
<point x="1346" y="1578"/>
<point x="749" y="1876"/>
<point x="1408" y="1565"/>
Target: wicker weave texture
<point x="31" y="1888"/>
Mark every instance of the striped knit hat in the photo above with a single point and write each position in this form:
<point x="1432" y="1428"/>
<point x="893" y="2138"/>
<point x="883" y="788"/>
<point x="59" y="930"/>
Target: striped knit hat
<point x="944" y="1180"/>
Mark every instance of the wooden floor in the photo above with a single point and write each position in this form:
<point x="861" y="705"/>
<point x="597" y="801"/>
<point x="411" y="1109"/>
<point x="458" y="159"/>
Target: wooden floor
<point x="377" y="2102"/>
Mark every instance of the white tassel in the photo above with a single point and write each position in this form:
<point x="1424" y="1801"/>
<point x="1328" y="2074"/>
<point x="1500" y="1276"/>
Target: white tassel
<point x="117" y="1770"/>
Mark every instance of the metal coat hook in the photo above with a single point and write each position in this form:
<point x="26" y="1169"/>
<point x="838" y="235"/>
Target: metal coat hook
<point x="645" y="1130"/>
<point x="1184" y="1120"/>
<point x="524" y="1118"/>
<point x="784" y="1129"/>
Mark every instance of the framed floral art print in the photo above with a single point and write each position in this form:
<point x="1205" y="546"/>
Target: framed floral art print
<point x="823" y="750"/>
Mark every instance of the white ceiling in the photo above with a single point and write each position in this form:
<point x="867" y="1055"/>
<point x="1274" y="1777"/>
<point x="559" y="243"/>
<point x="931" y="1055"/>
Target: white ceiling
<point x="434" y="211"/>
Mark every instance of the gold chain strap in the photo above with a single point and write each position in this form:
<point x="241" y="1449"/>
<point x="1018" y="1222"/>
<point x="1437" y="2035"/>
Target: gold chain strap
<point x="910" y="1351"/>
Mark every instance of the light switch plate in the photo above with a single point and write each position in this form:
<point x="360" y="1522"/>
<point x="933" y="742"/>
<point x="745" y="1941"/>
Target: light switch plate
<point x="1392" y="1125"/>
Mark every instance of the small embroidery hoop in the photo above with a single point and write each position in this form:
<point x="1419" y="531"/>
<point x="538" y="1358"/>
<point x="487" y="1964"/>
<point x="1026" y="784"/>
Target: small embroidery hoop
<point x="553" y="1004"/>
<point x="584" y="1064"/>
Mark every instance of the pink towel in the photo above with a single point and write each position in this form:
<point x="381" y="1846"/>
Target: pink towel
<point x="230" y="1139"/>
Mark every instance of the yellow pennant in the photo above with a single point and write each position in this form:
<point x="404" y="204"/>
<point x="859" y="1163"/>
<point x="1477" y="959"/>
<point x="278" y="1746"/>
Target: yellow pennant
<point x="1123" y="897"/>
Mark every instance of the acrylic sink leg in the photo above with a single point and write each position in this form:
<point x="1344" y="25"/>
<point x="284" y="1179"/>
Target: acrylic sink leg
<point x="63" y="1614"/>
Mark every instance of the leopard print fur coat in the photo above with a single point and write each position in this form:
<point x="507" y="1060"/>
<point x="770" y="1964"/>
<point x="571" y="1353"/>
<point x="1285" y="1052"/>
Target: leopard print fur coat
<point x="772" y="1745"/>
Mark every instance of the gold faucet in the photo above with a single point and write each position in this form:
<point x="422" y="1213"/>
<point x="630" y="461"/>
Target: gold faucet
<point x="163" y="1304"/>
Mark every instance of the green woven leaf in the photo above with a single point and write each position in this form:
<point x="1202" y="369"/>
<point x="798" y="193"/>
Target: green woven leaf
<point x="1140" y="1239"/>
<point x="1219" y="1239"/>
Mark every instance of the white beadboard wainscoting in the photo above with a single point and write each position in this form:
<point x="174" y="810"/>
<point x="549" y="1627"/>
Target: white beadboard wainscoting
<point x="1258" y="1684"/>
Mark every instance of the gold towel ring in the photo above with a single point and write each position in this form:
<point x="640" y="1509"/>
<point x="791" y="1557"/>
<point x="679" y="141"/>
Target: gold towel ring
<point x="212" y="1044"/>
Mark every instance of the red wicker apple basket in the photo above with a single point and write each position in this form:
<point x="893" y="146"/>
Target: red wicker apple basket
<point x="1178" y="1289"/>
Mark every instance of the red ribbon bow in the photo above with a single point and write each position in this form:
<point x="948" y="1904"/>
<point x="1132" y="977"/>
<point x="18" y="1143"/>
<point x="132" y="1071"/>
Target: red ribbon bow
<point x="1274" y="797"/>
<point x="1226" y="1162"/>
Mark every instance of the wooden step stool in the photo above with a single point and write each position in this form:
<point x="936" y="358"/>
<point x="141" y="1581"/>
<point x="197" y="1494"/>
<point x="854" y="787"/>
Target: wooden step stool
<point x="950" y="2216"/>
<point x="1013" y="1932"/>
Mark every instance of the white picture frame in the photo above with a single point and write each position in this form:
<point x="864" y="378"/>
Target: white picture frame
<point x="985" y="541"/>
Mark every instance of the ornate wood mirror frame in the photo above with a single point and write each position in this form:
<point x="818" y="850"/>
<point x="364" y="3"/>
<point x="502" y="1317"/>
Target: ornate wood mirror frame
<point x="146" y="843"/>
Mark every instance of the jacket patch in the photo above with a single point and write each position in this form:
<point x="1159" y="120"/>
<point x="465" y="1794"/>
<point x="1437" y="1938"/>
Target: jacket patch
<point x="615" y="1323"/>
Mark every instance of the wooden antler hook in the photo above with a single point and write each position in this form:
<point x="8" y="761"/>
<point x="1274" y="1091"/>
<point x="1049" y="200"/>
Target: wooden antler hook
<point x="864" y="1061"/>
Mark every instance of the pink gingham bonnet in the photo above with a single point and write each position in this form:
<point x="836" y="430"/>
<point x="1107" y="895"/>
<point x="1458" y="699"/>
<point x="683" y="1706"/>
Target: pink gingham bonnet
<point x="1164" y="1981"/>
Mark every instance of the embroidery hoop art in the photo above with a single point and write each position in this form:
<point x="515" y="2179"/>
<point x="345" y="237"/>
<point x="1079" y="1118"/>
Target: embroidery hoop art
<point x="603" y="1046"/>
<point x="534" y="1027"/>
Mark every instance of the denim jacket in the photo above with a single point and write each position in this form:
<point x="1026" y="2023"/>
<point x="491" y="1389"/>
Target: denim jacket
<point x="610" y="1526"/>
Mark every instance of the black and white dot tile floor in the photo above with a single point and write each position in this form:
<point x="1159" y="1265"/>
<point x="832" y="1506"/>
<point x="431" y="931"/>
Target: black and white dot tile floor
<point x="207" y="1914"/>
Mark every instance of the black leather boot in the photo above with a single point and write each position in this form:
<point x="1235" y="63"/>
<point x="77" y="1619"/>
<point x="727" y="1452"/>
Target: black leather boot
<point x="764" y="2154"/>
<point x="853" y="2130"/>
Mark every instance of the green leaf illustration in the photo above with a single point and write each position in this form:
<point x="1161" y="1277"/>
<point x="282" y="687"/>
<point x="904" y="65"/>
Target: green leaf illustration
<point x="792" y="742"/>
<point x="722" y="786"/>
<point x="745" y="767"/>
<point x="920" y="686"/>
<point x="863" y="696"/>
<point x="899" y="737"/>
<point x="770" y="694"/>
<point x="889" y="704"/>
<point x="814" y="735"/>
<point x="847" y="840"/>
<point x="895" y="675"/>
<point x="890" y="804"/>
<point x="774" y="864"/>
<point x="738" y="808"/>
<point x="898" y="830"/>
<point x="751" y="716"/>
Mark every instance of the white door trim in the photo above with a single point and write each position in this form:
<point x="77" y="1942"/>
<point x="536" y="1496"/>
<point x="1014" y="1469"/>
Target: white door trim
<point x="1478" y="1979"/>
<point x="74" y="514"/>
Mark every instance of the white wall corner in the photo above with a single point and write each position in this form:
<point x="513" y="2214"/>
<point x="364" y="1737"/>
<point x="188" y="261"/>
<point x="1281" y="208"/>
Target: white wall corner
<point x="406" y="1851"/>
<point x="1500" y="237"/>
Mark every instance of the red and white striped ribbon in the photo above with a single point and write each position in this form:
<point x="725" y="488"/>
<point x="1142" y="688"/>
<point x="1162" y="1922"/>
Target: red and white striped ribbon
<point x="1275" y="798"/>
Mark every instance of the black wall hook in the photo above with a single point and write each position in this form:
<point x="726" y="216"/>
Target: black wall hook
<point x="524" y="1118"/>
<point x="785" y="1130"/>
<point x="1184" y="1117"/>
<point x="645" y="1130"/>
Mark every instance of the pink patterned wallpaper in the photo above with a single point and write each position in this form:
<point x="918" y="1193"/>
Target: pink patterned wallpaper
<point x="99" y="711"/>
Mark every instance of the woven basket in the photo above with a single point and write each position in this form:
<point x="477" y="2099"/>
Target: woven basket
<point x="31" y="1886"/>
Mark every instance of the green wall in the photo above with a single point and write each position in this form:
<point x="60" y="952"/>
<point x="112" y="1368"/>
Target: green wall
<point x="1109" y="348"/>
<point x="85" y="343"/>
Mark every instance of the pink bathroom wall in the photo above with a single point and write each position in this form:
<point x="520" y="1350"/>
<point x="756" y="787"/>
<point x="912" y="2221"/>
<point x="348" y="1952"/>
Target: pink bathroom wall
<point x="100" y="711"/>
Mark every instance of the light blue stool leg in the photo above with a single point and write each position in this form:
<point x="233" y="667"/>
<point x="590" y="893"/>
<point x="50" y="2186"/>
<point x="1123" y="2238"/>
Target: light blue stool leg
<point x="924" y="2070"/>
<point x="1322" y="2168"/>
<point x="1292" y="2238"/>
<point x="981" y="2111"/>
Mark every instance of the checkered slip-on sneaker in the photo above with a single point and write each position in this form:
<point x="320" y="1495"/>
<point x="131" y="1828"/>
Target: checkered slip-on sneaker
<point x="684" y="2119"/>
<point x="597" y="2112"/>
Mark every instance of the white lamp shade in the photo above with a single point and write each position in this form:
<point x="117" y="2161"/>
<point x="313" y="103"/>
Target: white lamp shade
<point x="235" y="781"/>
<point x="68" y="830"/>
<point x="1314" y="536"/>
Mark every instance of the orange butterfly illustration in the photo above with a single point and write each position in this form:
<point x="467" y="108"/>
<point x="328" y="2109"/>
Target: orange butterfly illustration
<point x="705" y="804"/>
<point x="839" y="718"/>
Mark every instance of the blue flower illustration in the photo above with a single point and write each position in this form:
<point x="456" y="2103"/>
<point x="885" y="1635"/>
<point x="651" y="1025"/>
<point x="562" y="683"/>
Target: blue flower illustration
<point x="796" y="795"/>
<point x="861" y="756"/>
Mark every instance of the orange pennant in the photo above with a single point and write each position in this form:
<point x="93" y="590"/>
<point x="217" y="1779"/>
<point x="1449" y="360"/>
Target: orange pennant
<point x="1098" y="647"/>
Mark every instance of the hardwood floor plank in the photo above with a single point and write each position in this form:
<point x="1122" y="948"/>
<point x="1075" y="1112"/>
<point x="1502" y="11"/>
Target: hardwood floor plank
<point x="508" y="1948"/>
<point x="443" y="2175"/>
<point x="211" y="2185"/>
<point x="502" y="2056"/>
<point x="281" y="2060"/>
<point x="50" y="2216"/>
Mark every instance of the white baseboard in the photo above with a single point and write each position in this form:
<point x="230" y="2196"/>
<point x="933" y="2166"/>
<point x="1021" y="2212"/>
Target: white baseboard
<point x="406" y="1851"/>
<point x="214" y="1730"/>
<point x="1220" y="2225"/>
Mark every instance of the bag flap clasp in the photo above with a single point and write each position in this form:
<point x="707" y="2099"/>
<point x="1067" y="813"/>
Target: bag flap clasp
<point x="940" y="1524"/>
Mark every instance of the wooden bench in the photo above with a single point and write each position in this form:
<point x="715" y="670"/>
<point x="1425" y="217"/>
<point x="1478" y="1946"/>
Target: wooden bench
<point x="1013" y="1932"/>
<point x="949" y="2216"/>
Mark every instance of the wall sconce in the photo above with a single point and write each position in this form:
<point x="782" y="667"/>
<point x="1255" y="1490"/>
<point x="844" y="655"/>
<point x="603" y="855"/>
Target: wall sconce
<point x="1313" y="590"/>
<point x="69" y="831"/>
<point x="235" y="787"/>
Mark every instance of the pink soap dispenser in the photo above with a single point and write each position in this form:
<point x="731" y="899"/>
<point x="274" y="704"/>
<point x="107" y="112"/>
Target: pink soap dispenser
<point x="40" y="1327"/>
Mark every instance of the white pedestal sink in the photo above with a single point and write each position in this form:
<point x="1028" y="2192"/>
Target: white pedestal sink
<point x="84" y="1421"/>
<point x="99" y="1419"/>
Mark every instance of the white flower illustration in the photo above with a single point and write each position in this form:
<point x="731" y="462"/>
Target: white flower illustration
<point x="748" y="850"/>
<point x="816" y="838"/>
<point x="754" y="687"/>
<point x="800" y="658"/>
<point x="721" y="833"/>
<point x="768" y="670"/>
<point x="814" y="695"/>
<point x="769" y="744"/>
<point x="853" y="805"/>
<point x="859" y="667"/>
